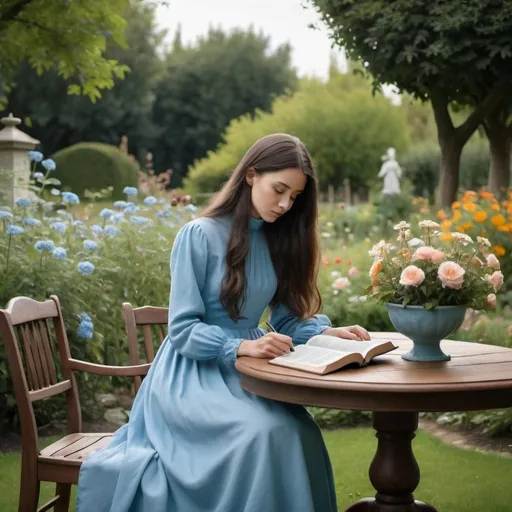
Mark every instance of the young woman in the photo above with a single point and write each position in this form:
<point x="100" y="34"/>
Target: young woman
<point x="196" y="441"/>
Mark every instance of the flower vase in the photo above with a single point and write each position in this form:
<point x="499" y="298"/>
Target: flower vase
<point x="426" y="328"/>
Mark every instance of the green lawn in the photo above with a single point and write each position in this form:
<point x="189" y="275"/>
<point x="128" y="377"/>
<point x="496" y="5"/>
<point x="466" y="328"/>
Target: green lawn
<point x="452" y="479"/>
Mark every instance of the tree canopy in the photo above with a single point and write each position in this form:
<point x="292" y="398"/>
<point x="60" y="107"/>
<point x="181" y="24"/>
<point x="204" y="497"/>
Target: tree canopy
<point x="344" y="127"/>
<point x="66" y="36"/>
<point x="442" y="51"/>
<point x="205" y="86"/>
<point x="59" y="120"/>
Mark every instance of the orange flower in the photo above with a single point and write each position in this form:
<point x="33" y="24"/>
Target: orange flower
<point x="498" y="220"/>
<point x="499" y="250"/>
<point x="456" y="216"/>
<point x="495" y="207"/>
<point x="486" y="195"/>
<point x="468" y="226"/>
<point x="441" y="214"/>
<point x="469" y="207"/>
<point x="445" y="237"/>
<point x="446" y="225"/>
<point x="326" y="263"/>
<point x="338" y="260"/>
<point x="505" y="229"/>
<point x="375" y="269"/>
<point x="480" y="216"/>
<point x="455" y="205"/>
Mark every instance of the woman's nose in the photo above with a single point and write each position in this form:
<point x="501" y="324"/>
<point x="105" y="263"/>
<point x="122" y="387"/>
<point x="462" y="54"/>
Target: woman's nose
<point x="284" y="203"/>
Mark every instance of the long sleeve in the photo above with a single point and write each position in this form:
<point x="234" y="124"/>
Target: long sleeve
<point x="187" y="333"/>
<point x="299" y="330"/>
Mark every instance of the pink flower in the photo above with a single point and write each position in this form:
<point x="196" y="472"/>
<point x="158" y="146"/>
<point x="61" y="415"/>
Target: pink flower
<point x="341" y="283"/>
<point x="353" y="272"/>
<point x="428" y="254"/>
<point x="412" y="276"/>
<point x="496" y="279"/>
<point x="493" y="262"/>
<point x="491" y="300"/>
<point x="451" y="275"/>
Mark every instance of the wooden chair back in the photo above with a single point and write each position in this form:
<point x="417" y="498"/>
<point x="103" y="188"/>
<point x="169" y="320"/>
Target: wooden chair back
<point x="146" y="329"/>
<point x="41" y="366"/>
<point x="35" y="338"/>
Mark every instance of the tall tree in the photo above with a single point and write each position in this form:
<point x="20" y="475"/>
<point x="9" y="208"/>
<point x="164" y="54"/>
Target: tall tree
<point x="221" y="77"/>
<point x="498" y="128"/>
<point x="59" y="120"/>
<point x="67" y="36"/>
<point x="442" y="51"/>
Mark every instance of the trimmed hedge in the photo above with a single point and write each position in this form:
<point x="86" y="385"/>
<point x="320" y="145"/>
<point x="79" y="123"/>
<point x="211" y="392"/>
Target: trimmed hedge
<point x="94" y="166"/>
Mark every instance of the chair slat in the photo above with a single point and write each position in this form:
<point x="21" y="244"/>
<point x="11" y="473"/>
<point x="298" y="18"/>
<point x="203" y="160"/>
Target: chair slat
<point x="160" y="333"/>
<point x="28" y="358"/>
<point x="148" y="343"/>
<point x="38" y="346"/>
<point x="34" y="349"/>
<point x="50" y="363"/>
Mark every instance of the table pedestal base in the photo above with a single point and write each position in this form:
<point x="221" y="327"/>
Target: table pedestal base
<point x="394" y="472"/>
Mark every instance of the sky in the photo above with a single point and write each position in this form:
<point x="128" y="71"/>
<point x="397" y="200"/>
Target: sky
<point x="281" y="20"/>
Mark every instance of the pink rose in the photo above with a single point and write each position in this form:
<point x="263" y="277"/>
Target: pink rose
<point x="493" y="262"/>
<point x="353" y="272"/>
<point x="427" y="253"/>
<point x="491" y="300"/>
<point x="341" y="283"/>
<point x="496" y="280"/>
<point x="412" y="276"/>
<point x="451" y="275"/>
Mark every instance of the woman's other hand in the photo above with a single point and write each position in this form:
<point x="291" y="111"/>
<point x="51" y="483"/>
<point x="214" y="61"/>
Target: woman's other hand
<point x="351" y="332"/>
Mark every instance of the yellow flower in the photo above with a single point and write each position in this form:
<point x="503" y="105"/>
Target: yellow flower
<point x="456" y="216"/>
<point x="498" y="220"/>
<point x="469" y="207"/>
<point x="446" y="225"/>
<point x="455" y="205"/>
<point x="480" y="216"/>
<point x="498" y="250"/>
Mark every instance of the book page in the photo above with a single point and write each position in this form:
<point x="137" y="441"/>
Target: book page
<point x="313" y="356"/>
<point x="343" y="345"/>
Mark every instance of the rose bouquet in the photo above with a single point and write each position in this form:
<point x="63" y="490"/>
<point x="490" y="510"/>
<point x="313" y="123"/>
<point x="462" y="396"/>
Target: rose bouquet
<point x="429" y="272"/>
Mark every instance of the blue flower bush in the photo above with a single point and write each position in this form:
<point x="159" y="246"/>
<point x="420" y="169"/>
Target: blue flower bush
<point x="93" y="258"/>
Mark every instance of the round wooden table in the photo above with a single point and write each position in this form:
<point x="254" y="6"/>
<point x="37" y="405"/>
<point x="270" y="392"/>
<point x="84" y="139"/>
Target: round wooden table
<point x="477" y="377"/>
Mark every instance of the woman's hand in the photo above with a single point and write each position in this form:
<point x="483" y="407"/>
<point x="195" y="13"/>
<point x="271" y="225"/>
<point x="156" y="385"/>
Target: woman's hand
<point x="351" y="332"/>
<point x="272" y="344"/>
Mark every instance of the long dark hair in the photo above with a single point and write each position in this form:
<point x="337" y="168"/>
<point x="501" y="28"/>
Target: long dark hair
<point x="292" y="238"/>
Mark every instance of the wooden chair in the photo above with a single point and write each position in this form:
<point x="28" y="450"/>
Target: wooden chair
<point x="150" y="319"/>
<point x="29" y="330"/>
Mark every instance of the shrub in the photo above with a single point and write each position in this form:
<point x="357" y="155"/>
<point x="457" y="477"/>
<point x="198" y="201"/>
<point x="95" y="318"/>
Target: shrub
<point x="482" y="214"/>
<point x="93" y="167"/>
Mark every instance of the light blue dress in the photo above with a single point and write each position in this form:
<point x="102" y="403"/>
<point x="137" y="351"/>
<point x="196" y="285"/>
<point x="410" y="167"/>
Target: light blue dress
<point x="196" y="441"/>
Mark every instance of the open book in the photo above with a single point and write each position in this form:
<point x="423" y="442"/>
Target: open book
<point x="323" y="354"/>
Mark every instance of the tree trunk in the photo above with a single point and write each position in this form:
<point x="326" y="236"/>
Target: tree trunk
<point x="500" y="143"/>
<point x="452" y="139"/>
<point x="451" y="151"/>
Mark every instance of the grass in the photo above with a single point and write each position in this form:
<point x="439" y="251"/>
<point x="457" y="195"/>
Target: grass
<point x="452" y="479"/>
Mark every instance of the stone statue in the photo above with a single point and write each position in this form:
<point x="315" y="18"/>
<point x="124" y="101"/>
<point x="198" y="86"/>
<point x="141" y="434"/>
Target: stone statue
<point x="391" y="172"/>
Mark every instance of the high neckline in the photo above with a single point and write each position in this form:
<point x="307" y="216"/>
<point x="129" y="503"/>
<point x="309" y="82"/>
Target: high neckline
<point x="255" y="224"/>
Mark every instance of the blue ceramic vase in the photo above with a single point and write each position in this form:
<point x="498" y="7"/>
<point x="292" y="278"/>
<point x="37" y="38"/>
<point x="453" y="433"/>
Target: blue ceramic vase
<point x="426" y="328"/>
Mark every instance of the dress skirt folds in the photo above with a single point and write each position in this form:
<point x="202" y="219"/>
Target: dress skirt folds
<point x="196" y="441"/>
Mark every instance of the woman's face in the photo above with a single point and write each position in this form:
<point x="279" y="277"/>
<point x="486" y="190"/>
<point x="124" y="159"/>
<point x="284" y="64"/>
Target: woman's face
<point x="273" y="193"/>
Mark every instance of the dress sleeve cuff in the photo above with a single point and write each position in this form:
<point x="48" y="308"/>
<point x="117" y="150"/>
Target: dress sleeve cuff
<point x="229" y="350"/>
